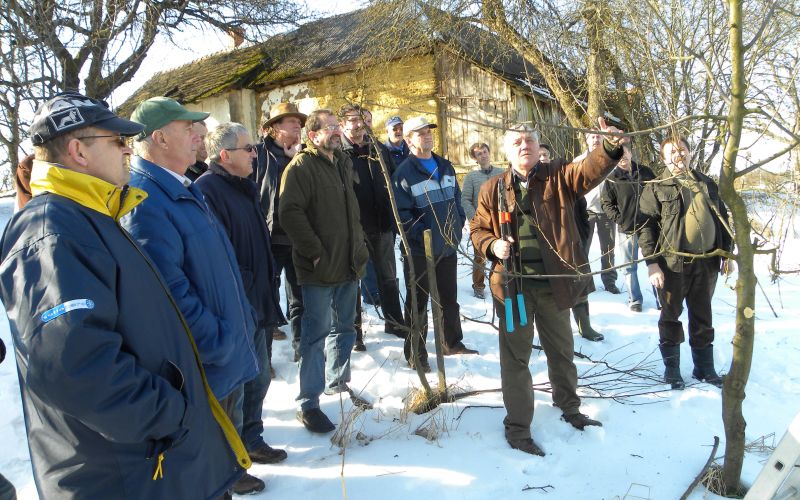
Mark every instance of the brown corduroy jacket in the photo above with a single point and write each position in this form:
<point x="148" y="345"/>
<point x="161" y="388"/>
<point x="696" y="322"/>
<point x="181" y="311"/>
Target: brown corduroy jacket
<point x="553" y="190"/>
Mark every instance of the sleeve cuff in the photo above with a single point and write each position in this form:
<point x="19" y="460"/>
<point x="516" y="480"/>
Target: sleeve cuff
<point x="615" y="152"/>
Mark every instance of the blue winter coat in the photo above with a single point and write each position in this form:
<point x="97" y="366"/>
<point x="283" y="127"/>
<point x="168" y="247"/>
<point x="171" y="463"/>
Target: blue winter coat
<point x="108" y="376"/>
<point x="193" y="253"/>
<point x="234" y="200"/>
<point x="425" y="203"/>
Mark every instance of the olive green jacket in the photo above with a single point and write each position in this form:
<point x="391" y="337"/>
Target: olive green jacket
<point x="319" y="212"/>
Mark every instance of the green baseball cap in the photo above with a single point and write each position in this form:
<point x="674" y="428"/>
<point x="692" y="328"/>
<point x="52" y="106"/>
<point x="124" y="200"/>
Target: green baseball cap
<point x="156" y="112"/>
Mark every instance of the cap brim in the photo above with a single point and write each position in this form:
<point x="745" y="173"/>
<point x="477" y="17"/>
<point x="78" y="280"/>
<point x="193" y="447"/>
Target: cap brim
<point x="301" y="116"/>
<point x="428" y="125"/>
<point x="193" y="116"/>
<point x="120" y="126"/>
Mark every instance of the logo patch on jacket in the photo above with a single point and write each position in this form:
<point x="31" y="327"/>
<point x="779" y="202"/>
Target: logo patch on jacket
<point x="66" y="307"/>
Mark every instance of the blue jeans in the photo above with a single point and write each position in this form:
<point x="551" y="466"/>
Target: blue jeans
<point x="232" y="405"/>
<point x="629" y="244"/>
<point x="327" y="339"/>
<point x="254" y="393"/>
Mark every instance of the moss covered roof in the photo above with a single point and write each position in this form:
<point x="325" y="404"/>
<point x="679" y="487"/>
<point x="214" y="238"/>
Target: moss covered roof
<point x="330" y="43"/>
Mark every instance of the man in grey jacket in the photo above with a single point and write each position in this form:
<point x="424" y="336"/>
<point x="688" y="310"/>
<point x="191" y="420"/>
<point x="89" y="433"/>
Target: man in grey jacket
<point x="469" y="200"/>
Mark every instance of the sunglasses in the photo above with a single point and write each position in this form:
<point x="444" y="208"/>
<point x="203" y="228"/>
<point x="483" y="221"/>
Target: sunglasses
<point x="247" y="147"/>
<point x="121" y="140"/>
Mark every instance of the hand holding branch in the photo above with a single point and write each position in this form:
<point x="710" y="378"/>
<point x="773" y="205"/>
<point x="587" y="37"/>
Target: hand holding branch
<point x="615" y="139"/>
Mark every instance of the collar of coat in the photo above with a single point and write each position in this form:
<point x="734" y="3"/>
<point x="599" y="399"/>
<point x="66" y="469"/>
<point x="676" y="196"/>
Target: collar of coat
<point x="338" y="154"/>
<point x="244" y="184"/>
<point x="84" y="189"/>
<point x="667" y="178"/>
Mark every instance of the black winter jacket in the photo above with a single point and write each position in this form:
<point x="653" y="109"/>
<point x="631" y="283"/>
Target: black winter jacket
<point x="620" y="196"/>
<point x="108" y="374"/>
<point x="663" y="207"/>
<point x="370" y="186"/>
<point x="235" y="202"/>
<point x="268" y="169"/>
<point x="195" y="170"/>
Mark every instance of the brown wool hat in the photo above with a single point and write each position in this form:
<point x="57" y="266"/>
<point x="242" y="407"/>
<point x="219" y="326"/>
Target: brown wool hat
<point x="282" y="110"/>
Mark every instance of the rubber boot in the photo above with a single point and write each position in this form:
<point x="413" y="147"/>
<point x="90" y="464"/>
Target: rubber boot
<point x="704" y="365"/>
<point x="581" y="313"/>
<point x="671" y="354"/>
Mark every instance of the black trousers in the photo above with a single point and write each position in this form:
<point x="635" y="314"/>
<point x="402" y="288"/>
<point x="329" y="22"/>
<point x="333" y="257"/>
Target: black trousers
<point x="294" y="295"/>
<point x="381" y="250"/>
<point x="696" y="286"/>
<point x="606" y="232"/>
<point x="446" y="281"/>
<point x="7" y="491"/>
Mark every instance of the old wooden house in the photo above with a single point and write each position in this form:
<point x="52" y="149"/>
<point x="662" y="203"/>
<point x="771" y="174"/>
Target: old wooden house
<point x="458" y="76"/>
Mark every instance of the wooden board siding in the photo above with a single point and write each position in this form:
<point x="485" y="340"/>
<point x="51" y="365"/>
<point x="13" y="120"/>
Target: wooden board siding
<point x="479" y="106"/>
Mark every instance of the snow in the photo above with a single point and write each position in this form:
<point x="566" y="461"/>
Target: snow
<point x="651" y="446"/>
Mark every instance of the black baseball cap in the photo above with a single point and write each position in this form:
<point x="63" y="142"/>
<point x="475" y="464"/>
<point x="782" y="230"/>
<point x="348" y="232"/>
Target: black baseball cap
<point x="68" y="111"/>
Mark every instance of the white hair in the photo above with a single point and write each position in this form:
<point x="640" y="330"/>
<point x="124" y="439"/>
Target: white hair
<point x="514" y="130"/>
<point x="225" y="136"/>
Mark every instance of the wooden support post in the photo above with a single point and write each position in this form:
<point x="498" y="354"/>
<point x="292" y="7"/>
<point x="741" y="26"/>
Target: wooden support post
<point x="438" y="327"/>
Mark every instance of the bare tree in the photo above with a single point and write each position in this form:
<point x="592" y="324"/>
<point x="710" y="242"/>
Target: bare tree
<point x="49" y="46"/>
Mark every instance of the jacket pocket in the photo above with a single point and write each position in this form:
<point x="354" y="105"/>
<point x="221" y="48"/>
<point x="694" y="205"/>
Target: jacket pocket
<point x="171" y="373"/>
<point x="303" y="263"/>
<point x="670" y="203"/>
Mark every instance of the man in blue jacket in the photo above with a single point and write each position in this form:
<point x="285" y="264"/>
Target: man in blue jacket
<point x="428" y="197"/>
<point x="7" y="491"/>
<point x="233" y="197"/>
<point x="115" y="400"/>
<point x="194" y="255"/>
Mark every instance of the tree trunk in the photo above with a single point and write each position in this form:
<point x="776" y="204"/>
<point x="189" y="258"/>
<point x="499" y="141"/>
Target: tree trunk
<point x="595" y="71"/>
<point x="733" y="392"/>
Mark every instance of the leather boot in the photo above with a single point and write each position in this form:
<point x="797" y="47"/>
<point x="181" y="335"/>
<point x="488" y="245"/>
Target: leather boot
<point x="704" y="365"/>
<point x="359" y="345"/>
<point x="581" y="313"/>
<point x="671" y="354"/>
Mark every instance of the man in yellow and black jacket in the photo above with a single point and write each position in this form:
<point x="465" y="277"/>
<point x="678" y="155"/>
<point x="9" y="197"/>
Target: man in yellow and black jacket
<point x="115" y="400"/>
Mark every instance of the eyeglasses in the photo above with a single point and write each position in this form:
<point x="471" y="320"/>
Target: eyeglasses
<point x="331" y="128"/>
<point x="247" y="147"/>
<point x="121" y="140"/>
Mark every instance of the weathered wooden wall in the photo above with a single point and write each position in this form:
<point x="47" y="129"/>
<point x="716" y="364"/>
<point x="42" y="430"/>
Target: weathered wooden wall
<point x="478" y="106"/>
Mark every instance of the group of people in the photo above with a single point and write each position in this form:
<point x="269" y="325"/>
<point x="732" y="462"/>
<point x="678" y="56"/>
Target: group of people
<point x="141" y="278"/>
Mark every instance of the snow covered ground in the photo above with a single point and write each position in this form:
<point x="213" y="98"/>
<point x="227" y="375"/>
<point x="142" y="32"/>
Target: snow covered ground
<point x="651" y="446"/>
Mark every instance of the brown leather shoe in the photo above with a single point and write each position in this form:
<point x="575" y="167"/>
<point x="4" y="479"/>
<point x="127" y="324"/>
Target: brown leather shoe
<point x="579" y="421"/>
<point x="459" y="348"/>
<point x="266" y="454"/>
<point x="526" y="445"/>
<point x="278" y="334"/>
<point x="248" y="484"/>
